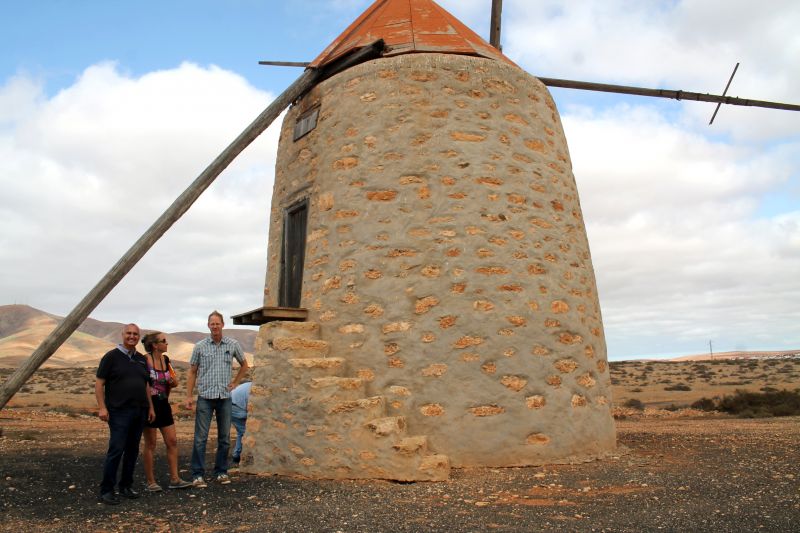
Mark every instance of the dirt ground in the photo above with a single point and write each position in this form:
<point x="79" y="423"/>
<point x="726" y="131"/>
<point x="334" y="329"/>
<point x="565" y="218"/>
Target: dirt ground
<point x="672" y="473"/>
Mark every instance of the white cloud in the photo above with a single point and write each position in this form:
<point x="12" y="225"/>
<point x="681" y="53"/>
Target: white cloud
<point x="680" y="255"/>
<point x="18" y="98"/>
<point x="86" y="172"/>
<point x="691" y="46"/>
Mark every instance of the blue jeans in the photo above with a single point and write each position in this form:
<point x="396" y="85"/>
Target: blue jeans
<point x="125" y="427"/>
<point x="239" y="419"/>
<point x="202" y="421"/>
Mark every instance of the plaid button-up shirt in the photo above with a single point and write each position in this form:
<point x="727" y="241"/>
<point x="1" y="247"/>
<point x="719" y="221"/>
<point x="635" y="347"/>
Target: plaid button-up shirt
<point x="214" y="364"/>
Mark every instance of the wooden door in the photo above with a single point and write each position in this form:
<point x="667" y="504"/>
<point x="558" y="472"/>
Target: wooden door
<point x="293" y="256"/>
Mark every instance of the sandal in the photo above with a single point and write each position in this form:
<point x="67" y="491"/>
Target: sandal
<point x="153" y="487"/>
<point x="180" y="484"/>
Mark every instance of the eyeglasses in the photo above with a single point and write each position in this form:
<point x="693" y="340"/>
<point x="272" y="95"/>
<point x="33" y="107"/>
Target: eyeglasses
<point x="161" y="341"/>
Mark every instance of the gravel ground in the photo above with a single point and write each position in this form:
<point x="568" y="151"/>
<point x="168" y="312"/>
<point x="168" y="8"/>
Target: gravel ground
<point x="671" y="475"/>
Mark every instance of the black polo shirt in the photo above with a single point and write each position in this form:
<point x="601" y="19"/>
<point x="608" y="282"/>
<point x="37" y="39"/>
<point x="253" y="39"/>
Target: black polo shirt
<point x="126" y="379"/>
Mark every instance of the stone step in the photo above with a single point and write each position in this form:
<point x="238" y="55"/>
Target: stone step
<point x="329" y="389"/>
<point x="319" y="366"/>
<point x="368" y="408"/>
<point x="272" y="330"/>
<point x="417" y="444"/>
<point x="299" y="347"/>
<point x="387" y="425"/>
<point x="335" y="383"/>
<point x="434" y="467"/>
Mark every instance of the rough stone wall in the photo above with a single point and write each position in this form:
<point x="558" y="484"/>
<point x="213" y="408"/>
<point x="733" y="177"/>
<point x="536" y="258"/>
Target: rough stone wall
<point x="307" y="419"/>
<point x="447" y="259"/>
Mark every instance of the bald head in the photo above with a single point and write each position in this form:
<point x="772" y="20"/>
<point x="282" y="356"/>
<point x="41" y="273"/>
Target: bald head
<point x="130" y="336"/>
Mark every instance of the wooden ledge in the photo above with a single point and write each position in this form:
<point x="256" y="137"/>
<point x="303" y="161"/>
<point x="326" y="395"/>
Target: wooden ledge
<point x="256" y="317"/>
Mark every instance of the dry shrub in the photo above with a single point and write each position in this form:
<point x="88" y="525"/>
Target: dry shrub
<point x="762" y="404"/>
<point x="746" y="404"/>
<point x="634" y="403"/>
<point x="678" y="386"/>
<point x="705" y="404"/>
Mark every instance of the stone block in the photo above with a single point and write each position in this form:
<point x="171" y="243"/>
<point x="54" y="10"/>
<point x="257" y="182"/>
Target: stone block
<point x="319" y="366"/>
<point x="299" y="347"/>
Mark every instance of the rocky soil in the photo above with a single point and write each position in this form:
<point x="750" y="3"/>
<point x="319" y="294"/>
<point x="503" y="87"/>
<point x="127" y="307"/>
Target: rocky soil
<point x="673" y="473"/>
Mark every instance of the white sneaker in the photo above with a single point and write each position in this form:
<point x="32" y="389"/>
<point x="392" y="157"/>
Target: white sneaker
<point x="199" y="482"/>
<point x="223" y="479"/>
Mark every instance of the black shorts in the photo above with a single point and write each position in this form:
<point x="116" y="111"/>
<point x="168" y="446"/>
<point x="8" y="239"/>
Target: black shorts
<point x="163" y="413"/>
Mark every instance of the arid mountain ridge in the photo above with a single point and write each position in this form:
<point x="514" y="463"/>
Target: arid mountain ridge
<point x="23" y="328"/>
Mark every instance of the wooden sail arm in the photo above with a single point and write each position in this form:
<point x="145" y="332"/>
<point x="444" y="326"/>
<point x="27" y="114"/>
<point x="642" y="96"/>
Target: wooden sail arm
<point x="666" y="93"/>
<point x="624" y="89"/>
<point x="285" y="63"/>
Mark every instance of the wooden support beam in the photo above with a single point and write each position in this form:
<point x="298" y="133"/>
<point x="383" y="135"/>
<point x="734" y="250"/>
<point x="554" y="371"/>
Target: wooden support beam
<point x="89" y="302"/>
<point x="151" y="236"/>
<point x="496" y="24"/>
<point x="666" y="93"/>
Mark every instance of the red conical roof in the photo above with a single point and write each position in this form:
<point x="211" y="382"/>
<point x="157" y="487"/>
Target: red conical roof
<point x="409" y="26"/>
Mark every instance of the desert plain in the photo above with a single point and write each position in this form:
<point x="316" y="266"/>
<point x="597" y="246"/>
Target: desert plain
<point x="677" y="469"/>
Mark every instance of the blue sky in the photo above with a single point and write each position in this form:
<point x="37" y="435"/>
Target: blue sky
<point x="57" y="40"/>
<point x="108" y="110"/>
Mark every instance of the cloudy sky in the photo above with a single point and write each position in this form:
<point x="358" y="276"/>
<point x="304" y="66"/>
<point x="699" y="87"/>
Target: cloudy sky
<point x="109" y="110"/>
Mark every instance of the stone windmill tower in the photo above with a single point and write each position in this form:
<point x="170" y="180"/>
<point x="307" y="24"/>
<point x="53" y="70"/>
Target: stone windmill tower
<point x="424" y="161"/>
<point x="426" y="225"/>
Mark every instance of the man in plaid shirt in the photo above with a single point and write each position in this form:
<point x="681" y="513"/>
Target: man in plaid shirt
<point x="211" y="369"/>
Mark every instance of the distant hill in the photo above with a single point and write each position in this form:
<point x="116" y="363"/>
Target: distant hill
<point x="740" y="355"/>
<point x="23" y="328"/>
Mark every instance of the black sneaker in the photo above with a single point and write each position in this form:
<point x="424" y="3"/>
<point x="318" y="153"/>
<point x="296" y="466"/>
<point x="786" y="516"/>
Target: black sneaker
<point x="128" y="493"/>
<point x="108" y="498"/>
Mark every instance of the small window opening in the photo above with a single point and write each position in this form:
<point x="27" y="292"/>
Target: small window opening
<point x="306" y="122"/>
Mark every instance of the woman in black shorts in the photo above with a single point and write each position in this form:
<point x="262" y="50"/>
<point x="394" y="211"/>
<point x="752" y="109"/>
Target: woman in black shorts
<point x="163" y="379"/>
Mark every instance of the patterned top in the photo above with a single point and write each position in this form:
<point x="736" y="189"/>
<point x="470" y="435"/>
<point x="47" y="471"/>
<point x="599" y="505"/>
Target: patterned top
<point x="214" y="364"/>
<point x="159" y="380"/>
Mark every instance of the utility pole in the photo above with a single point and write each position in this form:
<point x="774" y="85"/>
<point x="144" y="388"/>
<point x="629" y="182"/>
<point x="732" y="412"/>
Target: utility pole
<point x="711" y="349"/>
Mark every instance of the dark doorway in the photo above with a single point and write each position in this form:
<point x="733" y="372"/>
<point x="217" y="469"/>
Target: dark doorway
<point x="295" y="220"/>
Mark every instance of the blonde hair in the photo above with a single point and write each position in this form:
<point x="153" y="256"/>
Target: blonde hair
<point x="216" y="313"/>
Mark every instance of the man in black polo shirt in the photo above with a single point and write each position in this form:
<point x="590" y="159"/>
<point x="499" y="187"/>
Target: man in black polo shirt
<point x="122" y="389"/>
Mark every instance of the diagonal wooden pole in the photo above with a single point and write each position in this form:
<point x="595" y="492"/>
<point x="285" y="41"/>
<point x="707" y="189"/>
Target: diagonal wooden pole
<point x="81" y="311"/>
